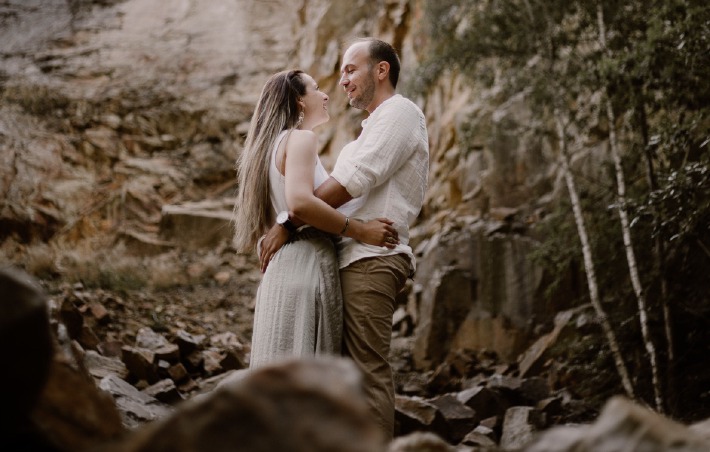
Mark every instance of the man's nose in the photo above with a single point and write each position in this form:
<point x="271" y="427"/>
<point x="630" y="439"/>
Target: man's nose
<point x="343" y="80"/>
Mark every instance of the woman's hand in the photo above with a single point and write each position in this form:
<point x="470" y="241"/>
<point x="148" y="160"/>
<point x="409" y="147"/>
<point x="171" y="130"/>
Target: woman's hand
<point x="378" y="232"/>
<point x="271" y="243"/>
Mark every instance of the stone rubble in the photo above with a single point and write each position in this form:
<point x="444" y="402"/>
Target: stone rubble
<point x="129" y="399"/>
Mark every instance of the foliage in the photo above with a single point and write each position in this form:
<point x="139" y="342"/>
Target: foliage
<point x="655" y="68"/>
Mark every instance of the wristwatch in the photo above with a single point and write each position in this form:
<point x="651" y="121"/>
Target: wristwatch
<point x="283" y="219"/>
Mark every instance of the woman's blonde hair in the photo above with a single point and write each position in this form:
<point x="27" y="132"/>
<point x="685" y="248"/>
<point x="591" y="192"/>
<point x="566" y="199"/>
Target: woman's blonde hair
<point x="276" y="110"/>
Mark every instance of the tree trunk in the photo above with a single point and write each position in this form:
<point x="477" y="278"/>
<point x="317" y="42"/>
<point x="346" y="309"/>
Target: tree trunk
<point x="626" y="231"/>
<point x="589" y="262"/>
<point x="659" y="252"/>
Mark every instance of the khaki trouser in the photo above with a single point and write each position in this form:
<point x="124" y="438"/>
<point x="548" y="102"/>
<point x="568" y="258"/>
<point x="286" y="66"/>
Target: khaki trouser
<point x="369" y="289"/>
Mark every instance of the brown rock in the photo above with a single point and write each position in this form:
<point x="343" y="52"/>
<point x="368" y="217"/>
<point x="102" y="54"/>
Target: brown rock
<point x="169" y="353"/>
<point x="306" y="405"/>
<point x="71" y="318"/>
<point x="211" y="361"/>
<point x="88" y="338"/>
<point x="416" y="414"/>
<point x="111" y="348"/>
<point x="99" y="312"/>
<point x="141" y="363"/>
<point x="165" y="391"/>
<point x="178" y="373"/>
<point x="484" y="402"/>
<point x="194" y="361"/>
<point x="232" y="360"/>
<point x="27" y="352"/>
<point x="459" y="418"/>
<point x="188" y="343"/>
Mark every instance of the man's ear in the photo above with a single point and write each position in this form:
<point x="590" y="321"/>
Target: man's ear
<point x="383" y="70"/>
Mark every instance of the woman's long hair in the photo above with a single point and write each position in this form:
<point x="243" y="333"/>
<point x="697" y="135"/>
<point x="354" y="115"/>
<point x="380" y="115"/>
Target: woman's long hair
<point x="276" y="110"/>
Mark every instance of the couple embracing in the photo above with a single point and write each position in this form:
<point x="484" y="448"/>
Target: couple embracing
<point x="334" y="249"/>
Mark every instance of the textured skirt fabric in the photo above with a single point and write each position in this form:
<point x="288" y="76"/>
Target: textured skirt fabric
<point x="298" y="310"/>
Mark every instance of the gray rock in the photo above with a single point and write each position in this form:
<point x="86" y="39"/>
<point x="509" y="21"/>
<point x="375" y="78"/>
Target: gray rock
<point x="136" y="407"/>
<point x="623" y="426"/>
<point x="519" y="426"/>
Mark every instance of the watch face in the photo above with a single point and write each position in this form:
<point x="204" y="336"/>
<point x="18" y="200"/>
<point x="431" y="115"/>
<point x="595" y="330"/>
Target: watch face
<point x="282" y="217"/>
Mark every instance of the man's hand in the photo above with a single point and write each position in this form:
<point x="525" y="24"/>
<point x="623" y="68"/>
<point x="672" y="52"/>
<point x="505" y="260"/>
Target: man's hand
<point x="271" y="244"/>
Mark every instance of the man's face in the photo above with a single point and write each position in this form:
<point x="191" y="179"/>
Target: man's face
<point x="357" y="77"/>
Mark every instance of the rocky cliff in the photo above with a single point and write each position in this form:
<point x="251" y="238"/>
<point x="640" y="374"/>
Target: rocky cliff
<point x="120" y="123"/>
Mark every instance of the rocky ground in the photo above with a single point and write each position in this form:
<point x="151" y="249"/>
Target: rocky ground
<point x="153" y="348"/>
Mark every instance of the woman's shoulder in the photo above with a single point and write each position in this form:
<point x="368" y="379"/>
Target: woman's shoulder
<point x="303" y="139"/>
<point x="304" y="134"/>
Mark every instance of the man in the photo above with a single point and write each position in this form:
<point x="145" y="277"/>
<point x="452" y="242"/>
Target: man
<point x="385" y="169"/>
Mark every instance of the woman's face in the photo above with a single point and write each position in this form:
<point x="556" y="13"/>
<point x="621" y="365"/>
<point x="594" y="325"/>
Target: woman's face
<point x="315" y="104"/>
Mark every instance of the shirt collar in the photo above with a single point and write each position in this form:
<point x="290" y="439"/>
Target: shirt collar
<point x="364" y="121"/>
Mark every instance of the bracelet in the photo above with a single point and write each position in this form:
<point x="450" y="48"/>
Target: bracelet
<point x="347" y="223"/>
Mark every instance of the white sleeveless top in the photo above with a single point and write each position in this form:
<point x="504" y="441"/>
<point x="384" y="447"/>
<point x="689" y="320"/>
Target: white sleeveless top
<point x="277" y="181"/>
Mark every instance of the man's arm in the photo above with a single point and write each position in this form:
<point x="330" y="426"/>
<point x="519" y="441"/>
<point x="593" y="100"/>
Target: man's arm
<point x="329" y="191"/>
<point x="333" y="193"/>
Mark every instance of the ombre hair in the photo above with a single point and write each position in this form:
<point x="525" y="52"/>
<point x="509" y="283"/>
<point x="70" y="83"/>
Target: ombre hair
<point x="277" y="110"/>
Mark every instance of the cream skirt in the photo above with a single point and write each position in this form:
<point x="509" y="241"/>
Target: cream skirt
<point x="299" y="309"/>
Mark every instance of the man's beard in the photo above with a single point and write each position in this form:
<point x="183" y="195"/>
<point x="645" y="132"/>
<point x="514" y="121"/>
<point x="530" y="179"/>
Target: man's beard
<point x="365" y="98"/>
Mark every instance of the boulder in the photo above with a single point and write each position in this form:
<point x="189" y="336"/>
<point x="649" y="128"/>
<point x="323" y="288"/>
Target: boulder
<point x="27" y="343"/>
<point x="50" y="401"/>
<point x="311" y="405"/>
<point x="623" y="425"/>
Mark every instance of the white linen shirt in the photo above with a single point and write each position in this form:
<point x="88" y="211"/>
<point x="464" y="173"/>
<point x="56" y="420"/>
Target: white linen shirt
<point x="386" y="169"/>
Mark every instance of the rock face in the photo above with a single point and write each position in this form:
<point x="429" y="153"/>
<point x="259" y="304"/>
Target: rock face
<point x="120" y="122"/>
<point x="478" y="290"/>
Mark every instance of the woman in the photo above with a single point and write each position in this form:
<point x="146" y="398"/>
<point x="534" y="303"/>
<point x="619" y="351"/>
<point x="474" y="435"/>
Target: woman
<point x="298" y="307"/>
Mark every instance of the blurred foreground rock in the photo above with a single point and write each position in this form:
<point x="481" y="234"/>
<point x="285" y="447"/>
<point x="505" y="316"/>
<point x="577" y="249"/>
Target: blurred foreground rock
<point x="308" y="405"/>
<point x="625" y="426"/>
<point x="50" y="402"/>
<point x="27" y="343"/>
